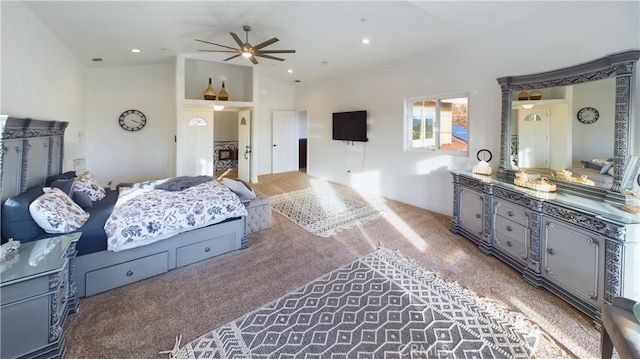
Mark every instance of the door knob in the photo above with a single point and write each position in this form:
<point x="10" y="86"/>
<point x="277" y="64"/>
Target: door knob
<point x="274" y="145"/>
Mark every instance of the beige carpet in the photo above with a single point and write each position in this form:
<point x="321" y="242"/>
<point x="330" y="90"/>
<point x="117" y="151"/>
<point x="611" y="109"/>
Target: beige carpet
<point x="139" y="320"/>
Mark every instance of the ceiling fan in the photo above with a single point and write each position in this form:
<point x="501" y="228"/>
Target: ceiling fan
<point x="249" y="51"/>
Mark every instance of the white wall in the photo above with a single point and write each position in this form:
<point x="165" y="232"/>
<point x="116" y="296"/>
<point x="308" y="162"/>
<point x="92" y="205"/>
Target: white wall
<point x="422" y="179"/>
<point x="41" y="78"/>
<point x="114" y="154"/>
<point x="274" y="95"/>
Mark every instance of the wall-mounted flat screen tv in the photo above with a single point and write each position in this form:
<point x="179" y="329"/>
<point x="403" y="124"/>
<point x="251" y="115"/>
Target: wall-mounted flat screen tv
<point x="350" y="126"/>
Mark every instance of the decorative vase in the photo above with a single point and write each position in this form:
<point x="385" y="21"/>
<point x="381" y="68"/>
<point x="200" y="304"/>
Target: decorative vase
<point x="523" y="96"/>
<point x="209" y="93"/>
<point x="535" y="95"/>
<point x="223" y="95"/>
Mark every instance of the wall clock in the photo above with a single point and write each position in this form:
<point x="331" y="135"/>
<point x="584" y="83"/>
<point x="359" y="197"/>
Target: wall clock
<point x="132" y="120"/>
<point x="588" y="115"/>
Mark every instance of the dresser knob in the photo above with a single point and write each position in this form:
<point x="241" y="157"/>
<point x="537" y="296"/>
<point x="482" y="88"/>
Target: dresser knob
<point x="207" y="249"/>
<point x="478" y="215"/>
<point x="129" y="273"/>
<point x="510" y="214"/>
<point x="509" y="228"/>
<point x="64" y="300"/>
<point x="510" y="244"/>
<point x="551" y="251"/>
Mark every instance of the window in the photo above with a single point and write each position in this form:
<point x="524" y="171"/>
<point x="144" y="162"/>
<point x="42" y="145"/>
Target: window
<point x="439" y="124"/>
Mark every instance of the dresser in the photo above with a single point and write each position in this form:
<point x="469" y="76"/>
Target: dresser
<point x="586" y="251"/>
<point x="37" y="294"/>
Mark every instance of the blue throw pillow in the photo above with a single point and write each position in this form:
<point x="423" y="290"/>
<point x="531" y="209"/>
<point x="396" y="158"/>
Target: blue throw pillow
<point x="82" y="199"/>
<point x="66" y="185"/>
<point x="17" y="222"/>
<point x="62" y="176"/>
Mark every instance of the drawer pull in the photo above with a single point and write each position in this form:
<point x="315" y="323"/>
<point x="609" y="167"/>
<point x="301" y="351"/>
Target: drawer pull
<point x="129" y="273"/>
<point x="510" y="214"/>
<point x="64" y="300"/>
<point x="551" y="251"/>
<point x="510" y="244"/>
<point x="478" y="215"/>
<point x="509" y="228"/>
<point x="207" y="249"/>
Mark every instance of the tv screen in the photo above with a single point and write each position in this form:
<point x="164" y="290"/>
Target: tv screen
<point x="350" y="126"/>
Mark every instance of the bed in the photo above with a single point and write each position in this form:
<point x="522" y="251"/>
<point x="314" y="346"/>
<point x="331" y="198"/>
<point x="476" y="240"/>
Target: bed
<point x="32" y="153"/>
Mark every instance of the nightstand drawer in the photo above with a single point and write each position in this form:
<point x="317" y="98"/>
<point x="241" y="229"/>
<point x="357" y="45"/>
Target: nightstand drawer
<point x="122" y="274"/>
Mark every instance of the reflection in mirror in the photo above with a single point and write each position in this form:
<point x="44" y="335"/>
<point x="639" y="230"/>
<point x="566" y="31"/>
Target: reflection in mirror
<point x="543" y="132"/>
<point x="547" y="136"/>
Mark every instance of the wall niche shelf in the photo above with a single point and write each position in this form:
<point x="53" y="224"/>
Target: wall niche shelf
<point x="192" y="78"/>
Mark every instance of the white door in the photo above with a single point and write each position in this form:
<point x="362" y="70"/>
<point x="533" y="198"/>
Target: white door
<point x="244" y="145"/>
<point x="196" y="145"/>
<point x="533" y="137"/>
<point x="285" y="142"/>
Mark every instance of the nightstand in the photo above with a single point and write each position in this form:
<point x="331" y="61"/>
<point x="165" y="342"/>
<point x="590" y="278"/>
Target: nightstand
<point x="37" y="293"/>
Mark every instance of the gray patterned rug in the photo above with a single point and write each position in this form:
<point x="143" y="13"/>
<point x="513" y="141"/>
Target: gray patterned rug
<point x="321" y="211"/>
<point x="380" y="306"/>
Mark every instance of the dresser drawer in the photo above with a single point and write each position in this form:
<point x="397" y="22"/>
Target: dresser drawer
<point x="122" y="274"/>
<point x="206" y="249"/>
<point x="512" y="212"/>
<point x="511" y="237"/>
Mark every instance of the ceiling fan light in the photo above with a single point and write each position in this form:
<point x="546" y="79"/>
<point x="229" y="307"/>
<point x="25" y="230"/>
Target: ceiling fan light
<point x="246" y="54"/>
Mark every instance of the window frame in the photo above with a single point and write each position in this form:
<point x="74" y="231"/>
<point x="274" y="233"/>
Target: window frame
<point x="409" y="120"/>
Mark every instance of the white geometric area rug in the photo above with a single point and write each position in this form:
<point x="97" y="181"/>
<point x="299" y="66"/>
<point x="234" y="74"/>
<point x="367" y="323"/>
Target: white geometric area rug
<point x="380" y="306"/>
<point x="321" y="211"/>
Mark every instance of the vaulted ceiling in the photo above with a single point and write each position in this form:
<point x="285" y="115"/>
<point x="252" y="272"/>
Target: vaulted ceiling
<point x="326" y="35"/>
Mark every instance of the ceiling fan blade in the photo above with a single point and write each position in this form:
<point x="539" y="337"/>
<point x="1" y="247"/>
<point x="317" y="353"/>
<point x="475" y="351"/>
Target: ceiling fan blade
<point x="213" y="43"/>
<point x="266" y="43"/>
<point x="253" y="59"/>
<point x="232" y="57"/>
<point x="276" y="51"/>
<point x="238" y="41"/>
<point x="269" y="57"/>
<point x="218" y="51"/>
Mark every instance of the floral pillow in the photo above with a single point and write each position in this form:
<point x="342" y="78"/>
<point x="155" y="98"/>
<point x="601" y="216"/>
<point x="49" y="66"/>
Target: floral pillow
<point x="87" y="183"/>
<point x="56" y="212"/>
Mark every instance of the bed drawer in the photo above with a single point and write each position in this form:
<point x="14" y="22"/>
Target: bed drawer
<point x="205" y="249"/>
<point x="128" y="272"/>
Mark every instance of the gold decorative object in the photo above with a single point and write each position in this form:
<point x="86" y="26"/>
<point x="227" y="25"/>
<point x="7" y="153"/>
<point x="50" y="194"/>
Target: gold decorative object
<point x="534" y="181"/>
<point x="223" y="95"/>
<point x="209" y="93"/>
<point x="523" y="96"/>
<point x="535" y="95"/>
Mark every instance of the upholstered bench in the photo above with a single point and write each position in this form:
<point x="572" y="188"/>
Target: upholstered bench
<point x="259" y="213"/>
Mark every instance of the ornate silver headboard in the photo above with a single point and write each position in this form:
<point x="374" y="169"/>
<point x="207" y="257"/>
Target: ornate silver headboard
<point x="30" y="151"/>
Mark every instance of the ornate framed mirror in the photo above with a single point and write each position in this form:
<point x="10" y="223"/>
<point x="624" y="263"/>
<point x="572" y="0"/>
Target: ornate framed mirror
<point x="572" y="125"/>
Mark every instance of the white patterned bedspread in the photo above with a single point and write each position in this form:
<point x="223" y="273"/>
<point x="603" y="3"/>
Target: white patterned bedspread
<point x="143" y="214"/>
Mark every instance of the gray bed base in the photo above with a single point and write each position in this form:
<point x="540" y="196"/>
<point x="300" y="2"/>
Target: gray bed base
<point x="31" y="150"/>
<point x="100" y="271"/>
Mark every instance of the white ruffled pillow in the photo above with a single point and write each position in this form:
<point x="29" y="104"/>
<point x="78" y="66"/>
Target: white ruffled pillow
<point x="55" y="212"/>
<point x="87" y="183"/>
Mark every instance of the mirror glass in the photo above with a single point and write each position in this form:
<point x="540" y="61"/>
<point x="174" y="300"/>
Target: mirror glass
<point x="547" y="137"/>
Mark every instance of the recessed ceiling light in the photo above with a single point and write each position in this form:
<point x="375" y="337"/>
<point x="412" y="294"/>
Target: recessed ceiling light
<point x="290" y="71"/>
<point x="135" y="51"/>
<point x="365" y="41"/>
<point x="97" y="59"/>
